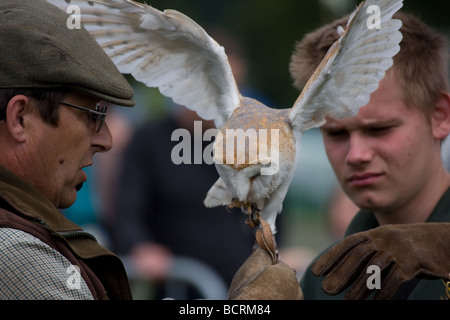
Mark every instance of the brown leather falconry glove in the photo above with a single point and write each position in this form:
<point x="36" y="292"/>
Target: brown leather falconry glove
<point x="263" y="276"/>
<point x="402" y="252"/>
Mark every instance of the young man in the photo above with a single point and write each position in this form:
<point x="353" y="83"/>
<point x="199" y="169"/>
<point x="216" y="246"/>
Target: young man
<point x="54" y="84"/>
<point x="388" y="161"/>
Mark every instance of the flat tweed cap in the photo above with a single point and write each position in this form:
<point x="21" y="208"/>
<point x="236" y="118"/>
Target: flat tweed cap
<point x="38" y="50"/>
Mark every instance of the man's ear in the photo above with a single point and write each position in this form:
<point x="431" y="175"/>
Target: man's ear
<point x="16" y="109"/>
<point x="441" y="117"/>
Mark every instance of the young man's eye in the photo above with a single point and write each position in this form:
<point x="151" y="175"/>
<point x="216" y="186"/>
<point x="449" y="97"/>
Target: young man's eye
<point x="335" y="133"/>
<point x="380" y="130"/>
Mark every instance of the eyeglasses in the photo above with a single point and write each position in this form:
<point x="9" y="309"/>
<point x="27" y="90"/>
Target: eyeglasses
<point x="98" y="115"/>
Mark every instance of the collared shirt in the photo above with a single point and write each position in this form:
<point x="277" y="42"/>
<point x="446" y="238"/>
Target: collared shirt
<point x="31" y="270"/>
<point x="363" y="221"/>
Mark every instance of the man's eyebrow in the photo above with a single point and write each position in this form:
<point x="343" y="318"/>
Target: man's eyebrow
<point x="382" y="122"/>
<point x="331" y="126"/>
<point x="366" y="123"/>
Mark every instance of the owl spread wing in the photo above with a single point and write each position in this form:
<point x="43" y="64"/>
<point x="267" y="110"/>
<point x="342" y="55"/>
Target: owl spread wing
<point x="167" y="50"/>
<point x="352" y="68"/>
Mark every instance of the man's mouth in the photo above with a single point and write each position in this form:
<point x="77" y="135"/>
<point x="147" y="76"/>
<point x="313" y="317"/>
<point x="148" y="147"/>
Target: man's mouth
<point x="360" y="180"/>
<point x="79" y="186"/>
<point x="83" y="180"/>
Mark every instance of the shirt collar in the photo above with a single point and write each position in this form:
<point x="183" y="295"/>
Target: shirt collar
<point x="365" y="220"/>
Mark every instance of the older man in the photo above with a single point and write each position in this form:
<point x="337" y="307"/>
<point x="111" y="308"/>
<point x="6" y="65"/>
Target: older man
<point x="55" y="83"/>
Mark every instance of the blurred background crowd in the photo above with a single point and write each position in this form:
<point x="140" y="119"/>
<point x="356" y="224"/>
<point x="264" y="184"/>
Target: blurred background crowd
<point x="150" y="211"/>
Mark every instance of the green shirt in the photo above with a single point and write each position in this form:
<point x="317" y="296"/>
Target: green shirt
<point x="363" y="221"/>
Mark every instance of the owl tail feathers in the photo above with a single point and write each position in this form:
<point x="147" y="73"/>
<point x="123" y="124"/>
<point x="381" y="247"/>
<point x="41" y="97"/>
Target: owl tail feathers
<point x="218" y="195"/>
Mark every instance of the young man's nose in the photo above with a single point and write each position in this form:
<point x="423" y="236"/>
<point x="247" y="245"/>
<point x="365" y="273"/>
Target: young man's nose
<point x="359" y="150"/>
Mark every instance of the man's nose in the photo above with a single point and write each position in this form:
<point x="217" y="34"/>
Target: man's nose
<point x="102" y="140"/>
<point x="359" y="150"/>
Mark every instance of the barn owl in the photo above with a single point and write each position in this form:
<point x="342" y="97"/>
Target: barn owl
<point x="257" y="161"/>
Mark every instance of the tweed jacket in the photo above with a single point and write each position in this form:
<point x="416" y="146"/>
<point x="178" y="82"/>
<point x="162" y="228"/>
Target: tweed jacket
<point x="43" y="255"/>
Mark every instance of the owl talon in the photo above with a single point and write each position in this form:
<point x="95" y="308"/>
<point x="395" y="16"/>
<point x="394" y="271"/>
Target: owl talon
<point x="235" y="204"/>
<point x="254" y="218"/>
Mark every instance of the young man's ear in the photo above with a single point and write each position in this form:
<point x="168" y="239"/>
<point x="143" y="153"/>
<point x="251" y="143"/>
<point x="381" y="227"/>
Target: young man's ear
<point x="16" y="108"/>
<point x="441" y="117"/>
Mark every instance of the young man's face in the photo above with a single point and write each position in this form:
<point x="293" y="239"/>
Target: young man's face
<point x="385" y="156"/>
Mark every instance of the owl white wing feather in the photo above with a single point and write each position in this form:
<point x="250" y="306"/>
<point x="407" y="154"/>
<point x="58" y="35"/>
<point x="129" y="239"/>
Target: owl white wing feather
<point x="352" y="68"/>
<point x="167" y="50"/>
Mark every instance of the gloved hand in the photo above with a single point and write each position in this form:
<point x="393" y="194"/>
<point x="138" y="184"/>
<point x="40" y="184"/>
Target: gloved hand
<point x="402" y="252"/>
<point x="263" y="276"/>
